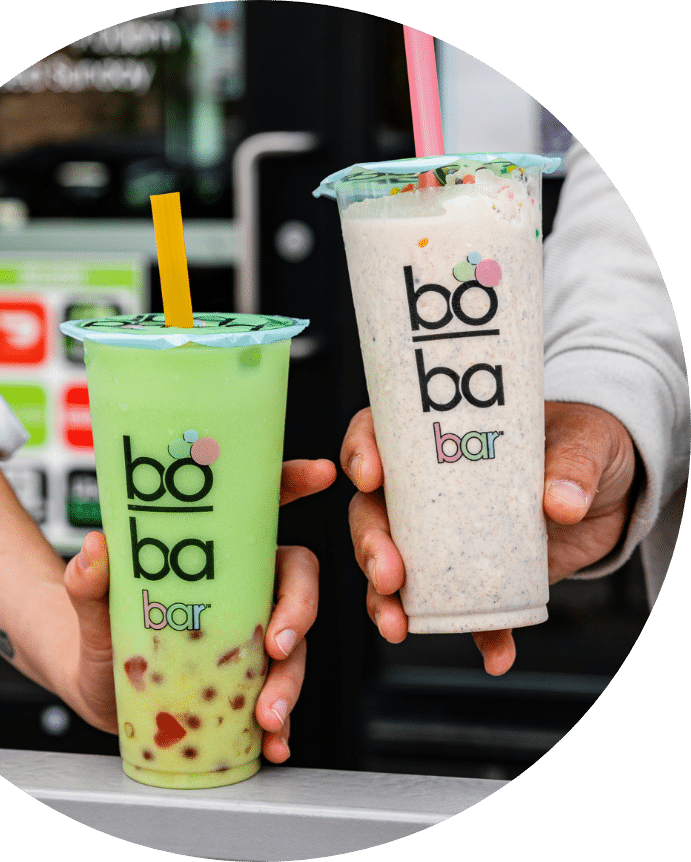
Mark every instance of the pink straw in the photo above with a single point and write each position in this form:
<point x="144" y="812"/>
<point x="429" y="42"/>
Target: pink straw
<point x="424" y="93"/>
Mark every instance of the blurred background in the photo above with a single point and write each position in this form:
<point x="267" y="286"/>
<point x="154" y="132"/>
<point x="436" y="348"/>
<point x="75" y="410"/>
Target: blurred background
<point x="218" y="101"/>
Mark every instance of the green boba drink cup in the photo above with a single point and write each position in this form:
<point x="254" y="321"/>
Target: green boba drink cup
<point x="188" y="428"/>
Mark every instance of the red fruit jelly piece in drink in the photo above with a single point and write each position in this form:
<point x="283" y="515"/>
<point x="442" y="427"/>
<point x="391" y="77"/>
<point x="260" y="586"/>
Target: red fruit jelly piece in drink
<point x="134" y="668"/>
<point x="170" y="730"/>
<point x="231" y="655"/>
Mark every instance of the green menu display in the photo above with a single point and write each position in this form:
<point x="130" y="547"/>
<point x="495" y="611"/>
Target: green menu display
<point x="43" y="379"/>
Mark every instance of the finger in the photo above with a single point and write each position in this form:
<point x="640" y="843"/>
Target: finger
<point x="387" y="613"/>
<point x="359" y="454"/>
<point x="281" y="690"/>
<point x="297" y="599"/>
<point x="498" y="650"/>
<point x="86" y="584"/>
<point x="275" y="745"/>
<point x="375" y="551"/>
<point x="301" y="478"/>
<point x="582" y="443"/>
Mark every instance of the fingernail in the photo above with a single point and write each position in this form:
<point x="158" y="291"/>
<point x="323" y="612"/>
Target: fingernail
<point x="280" y="710"/>
<point x="569" y="493"/>
<point x="84" y="561"/>
<point x="285" y="742"/>
<point x="371" y="568"/>
<point x="355" y="468"/>
<point x="286" y="641"/>
<point x="377" y="621"/>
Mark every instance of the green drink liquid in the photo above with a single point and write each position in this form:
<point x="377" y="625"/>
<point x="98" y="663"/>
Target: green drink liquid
<point x="188" y="443"/>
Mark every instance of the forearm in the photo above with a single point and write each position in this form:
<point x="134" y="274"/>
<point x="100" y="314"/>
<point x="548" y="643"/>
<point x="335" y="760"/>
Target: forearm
<point x="36" y="616"/>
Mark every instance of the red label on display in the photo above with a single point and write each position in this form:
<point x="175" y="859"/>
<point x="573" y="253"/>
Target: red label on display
<point x="76" y="419"/>
<point x="23" y="332"/>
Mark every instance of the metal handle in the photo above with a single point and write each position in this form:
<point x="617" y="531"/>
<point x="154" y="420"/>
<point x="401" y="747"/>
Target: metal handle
<point x="247" y="295"/>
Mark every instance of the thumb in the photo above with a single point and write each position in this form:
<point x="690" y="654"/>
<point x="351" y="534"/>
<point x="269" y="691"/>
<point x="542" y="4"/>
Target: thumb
<point x="86" y="583"/>
<point x="588" y="465"/>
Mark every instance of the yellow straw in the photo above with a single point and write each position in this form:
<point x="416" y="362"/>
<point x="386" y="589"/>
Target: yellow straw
<point x="172" y="260"/>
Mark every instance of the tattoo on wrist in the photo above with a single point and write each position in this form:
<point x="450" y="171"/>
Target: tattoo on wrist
<point x="6" y="647"/>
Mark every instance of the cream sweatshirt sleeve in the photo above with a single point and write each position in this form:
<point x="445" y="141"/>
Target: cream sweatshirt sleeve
<point x="612" y="340"/>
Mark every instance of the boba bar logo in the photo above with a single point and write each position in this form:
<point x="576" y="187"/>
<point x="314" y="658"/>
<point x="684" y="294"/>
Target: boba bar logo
<point x="475" y="272"/>
<point x="173" y="490"/>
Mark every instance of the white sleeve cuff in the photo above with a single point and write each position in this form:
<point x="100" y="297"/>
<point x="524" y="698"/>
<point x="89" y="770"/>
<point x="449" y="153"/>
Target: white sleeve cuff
<point x="13" y="435"/>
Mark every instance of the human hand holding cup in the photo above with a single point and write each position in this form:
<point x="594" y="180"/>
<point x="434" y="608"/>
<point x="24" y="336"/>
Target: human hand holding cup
<point x="87" y="685"/>
<point x="589" y="476"/>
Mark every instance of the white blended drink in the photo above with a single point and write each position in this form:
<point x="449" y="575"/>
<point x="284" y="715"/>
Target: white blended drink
<point x="447" y="287"/>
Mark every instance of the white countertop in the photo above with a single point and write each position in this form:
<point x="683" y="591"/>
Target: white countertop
<point x="281" y="813"/>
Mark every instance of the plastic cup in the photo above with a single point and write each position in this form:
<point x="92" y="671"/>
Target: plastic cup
<point x="188" y="435"/>
<point x="446" y="283"/>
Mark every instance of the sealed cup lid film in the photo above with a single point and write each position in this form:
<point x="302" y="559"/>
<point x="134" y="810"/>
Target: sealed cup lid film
<point x="211" y="329"/>
<point x="447" y="169"/>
